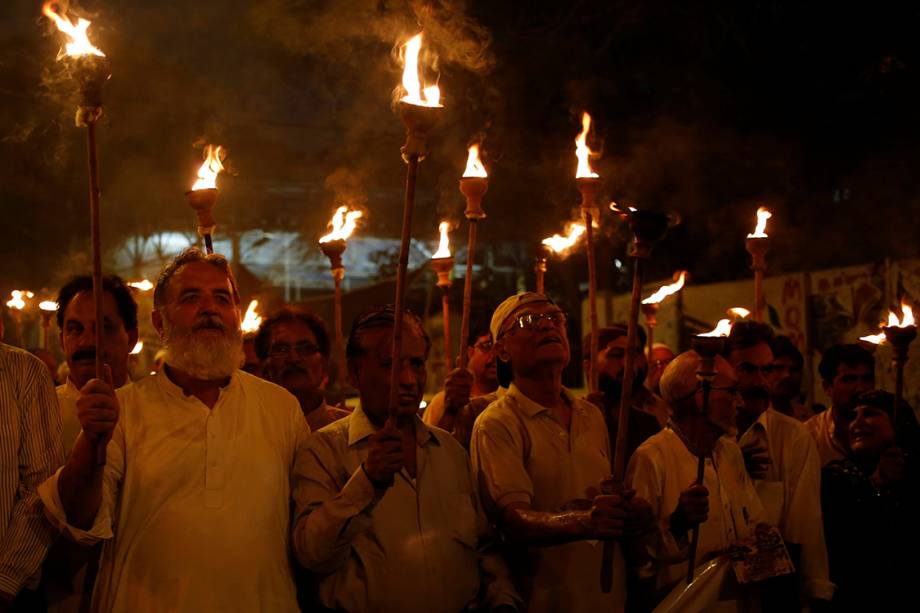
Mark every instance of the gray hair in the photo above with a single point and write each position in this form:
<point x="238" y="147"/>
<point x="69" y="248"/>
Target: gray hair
<point x="679" y="380"/>
<point x="189" y="256"/>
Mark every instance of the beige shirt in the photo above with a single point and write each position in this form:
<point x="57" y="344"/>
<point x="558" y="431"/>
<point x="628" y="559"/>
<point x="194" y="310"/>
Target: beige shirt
<point x="521" y="454"/>
<point x="662" y="468"/>
<point x="435" y="410"/>
<point x="410" y="548"/>
<point x="67" y="395"/>
<point x="791" y="494"/>
<point x="821" y="427"/>
<point x="196" y="501"/>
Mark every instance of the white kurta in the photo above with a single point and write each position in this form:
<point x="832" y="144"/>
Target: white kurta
<point x="67" y="395"/>
<point x="791" y="494"/>
<point x="196" y="501"/>
<point x="661" y="468"/>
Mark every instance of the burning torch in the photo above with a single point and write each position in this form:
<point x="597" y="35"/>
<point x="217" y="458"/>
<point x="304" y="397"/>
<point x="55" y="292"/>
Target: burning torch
<point x="651" y="305"/>
<point x="758" y="244"/>
<point x="47" y="308"/>
<point x="251" y="320"/>
<point x="647" y="228"/>
<point x="333" y="245"/>
<point x="589" y="184"/>
<point x="418" y="109"/>
<point x="559" y="245"/>
<point x="473" y="185"/>
<point x="203" y="195"/>
<point x="16" y="304"/>
<point x="707" y="346"/>
<point x="443" y="264"/>
<point x="900" y="333"/>
<point x="90" y="69"/>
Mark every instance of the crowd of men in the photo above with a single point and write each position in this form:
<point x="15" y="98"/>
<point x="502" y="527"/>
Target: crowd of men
<point x="208" y="486"/>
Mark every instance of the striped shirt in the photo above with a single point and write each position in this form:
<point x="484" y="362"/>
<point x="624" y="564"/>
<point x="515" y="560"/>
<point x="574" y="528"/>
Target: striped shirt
<point x="30" y="451"/>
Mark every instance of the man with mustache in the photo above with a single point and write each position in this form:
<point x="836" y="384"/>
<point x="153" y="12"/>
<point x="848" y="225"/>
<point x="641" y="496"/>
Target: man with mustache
<point x="649" y="412"/>
<point x="783" y="461"/>
<point x="293" y="347"/>
<point x="193" y="503"/>
<point x="467" y="392"/>
<point x="76" y="317"/>
<point x="542" y="457"/>
<point x="387" y="511"/>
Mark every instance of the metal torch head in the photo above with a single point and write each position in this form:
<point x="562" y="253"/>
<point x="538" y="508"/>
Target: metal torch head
<point x="419" y="121"/>
<point x="474" y="188"/>
<point x="90" y="72"/>
<point x="443" y="268"/>
<point x="589" y="188"/>
<point x="333" y="250"/>
<point x="202" y="202"/>
<point x="648" y="227"/>
<point x="650" y="311"/>
<point x="758" y="248"/>
<point x="900" y="339"/>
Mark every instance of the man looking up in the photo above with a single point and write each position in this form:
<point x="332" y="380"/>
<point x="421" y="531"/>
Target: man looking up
<point x="76" y="316"/>
<point x="541" y="456"/>
<point x="194" y="501"/>
<point x="846" y="372"/>
<point x="294" y="349"/>
<point x="387" y="511"/>
<point x="783" y="461"/>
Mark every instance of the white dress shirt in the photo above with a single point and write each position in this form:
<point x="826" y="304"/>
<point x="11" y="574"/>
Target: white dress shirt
<point x="196" y="501"/>
<point x="791" y="494"/>
<point x="661" y="468"/>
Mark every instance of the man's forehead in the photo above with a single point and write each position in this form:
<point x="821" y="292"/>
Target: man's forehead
<point x="380" y="340"/>
<point x="292" y="331"/>
<point x="854" y="369"/>
<point x="758" y="354"/>
<point x="199" y="275"/>
<point x="82" y="306"/>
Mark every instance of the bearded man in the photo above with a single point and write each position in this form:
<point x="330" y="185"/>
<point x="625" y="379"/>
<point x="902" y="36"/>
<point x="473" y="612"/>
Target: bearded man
<point x="198" y="519"/>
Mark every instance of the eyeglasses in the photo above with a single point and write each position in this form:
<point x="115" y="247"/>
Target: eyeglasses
<point x="284" y="350"/>
<point x="529" y="321"/>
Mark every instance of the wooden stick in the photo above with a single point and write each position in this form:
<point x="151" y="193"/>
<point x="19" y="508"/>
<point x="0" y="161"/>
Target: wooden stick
<point x="403" y="265"/>
<point x="592" y="296"/>
<point x="467" y="294"/>
<point x="337" y="276"/>
<point x="96" y="240"/>
<point x="445" y="314"/>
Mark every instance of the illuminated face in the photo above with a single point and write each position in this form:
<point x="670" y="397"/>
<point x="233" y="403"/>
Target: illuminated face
<point x="870" y="431"/>
<point x="848" y="384"/>
<point x="611" y="360"/>
<point x="534" y="336"/>
<point x="786" y="380"/>
<point x="482" y="362"/>
<point x="79" y="343"/>
<point x="753" y="367"/>
<point x="370" y="372"/>
<point x="294" y="361"/>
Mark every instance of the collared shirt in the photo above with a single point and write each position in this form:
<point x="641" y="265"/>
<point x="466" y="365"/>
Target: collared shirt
<point x="196" y="501"/>
<point x="521" y="454"/>
<point x="821" y="427"/>
<point x="410" y="548"/>
<point x="30" y="451"/>
<point x="662" y="468"/>
<point x="67" y="395"/>
<point x="791" y="494"/>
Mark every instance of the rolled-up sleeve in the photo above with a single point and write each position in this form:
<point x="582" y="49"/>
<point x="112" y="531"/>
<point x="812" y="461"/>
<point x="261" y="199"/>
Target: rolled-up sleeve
<point x="328" y="517"/>
<point x="28" y="535"/>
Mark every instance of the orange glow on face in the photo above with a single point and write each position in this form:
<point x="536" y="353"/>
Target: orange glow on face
<point x="561" y="244"/>
<point x="208" y="171"/>
<point x="666" y="290"/>
<point x="761" y="230"/>
<point x="582" y="152"/>
<point x="79" y="44"/>
<point x="474" y="167"/>
<point x="415" y="93"/>
<point x="343" y="223"/>
<point x="444" y="245"/>
<point x="723" y="328"/>
<point x="251" y="320"/>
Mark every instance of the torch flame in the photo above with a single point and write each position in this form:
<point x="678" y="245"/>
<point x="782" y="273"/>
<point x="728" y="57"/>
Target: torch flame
<point x="48" y="305"/>
<point x="666" y="290"/>
<point x="444" y="246"/>
<point x="79" y="42"/>
<point x="212" y="166"/>
<point x="906" y="320"/>
<point x="582" y="152"/>
<point x="561" y="244"/>
<point x="762" y="216"/>
<point x="143" y="285"/>
<point x="137" y="348"/>
<point x="723" y="328"/>
<point x="343" y="224"/>
<point x="739" y="312"/>
<point x="251" y="320"/>
<point x="411" y="81"/>
<point x="474" y="167"/>
<point x="875" y="339"/>
<point x="18" y="299"/>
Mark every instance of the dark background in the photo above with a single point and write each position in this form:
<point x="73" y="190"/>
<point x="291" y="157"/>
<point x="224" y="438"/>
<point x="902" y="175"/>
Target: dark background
<point x="708" y="109"/>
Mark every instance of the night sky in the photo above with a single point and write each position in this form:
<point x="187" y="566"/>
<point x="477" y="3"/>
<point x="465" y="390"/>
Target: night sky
<point x="703" y="109"/>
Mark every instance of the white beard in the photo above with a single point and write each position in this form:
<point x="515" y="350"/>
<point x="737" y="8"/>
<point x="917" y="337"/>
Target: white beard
<point x="208" y="354"/>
